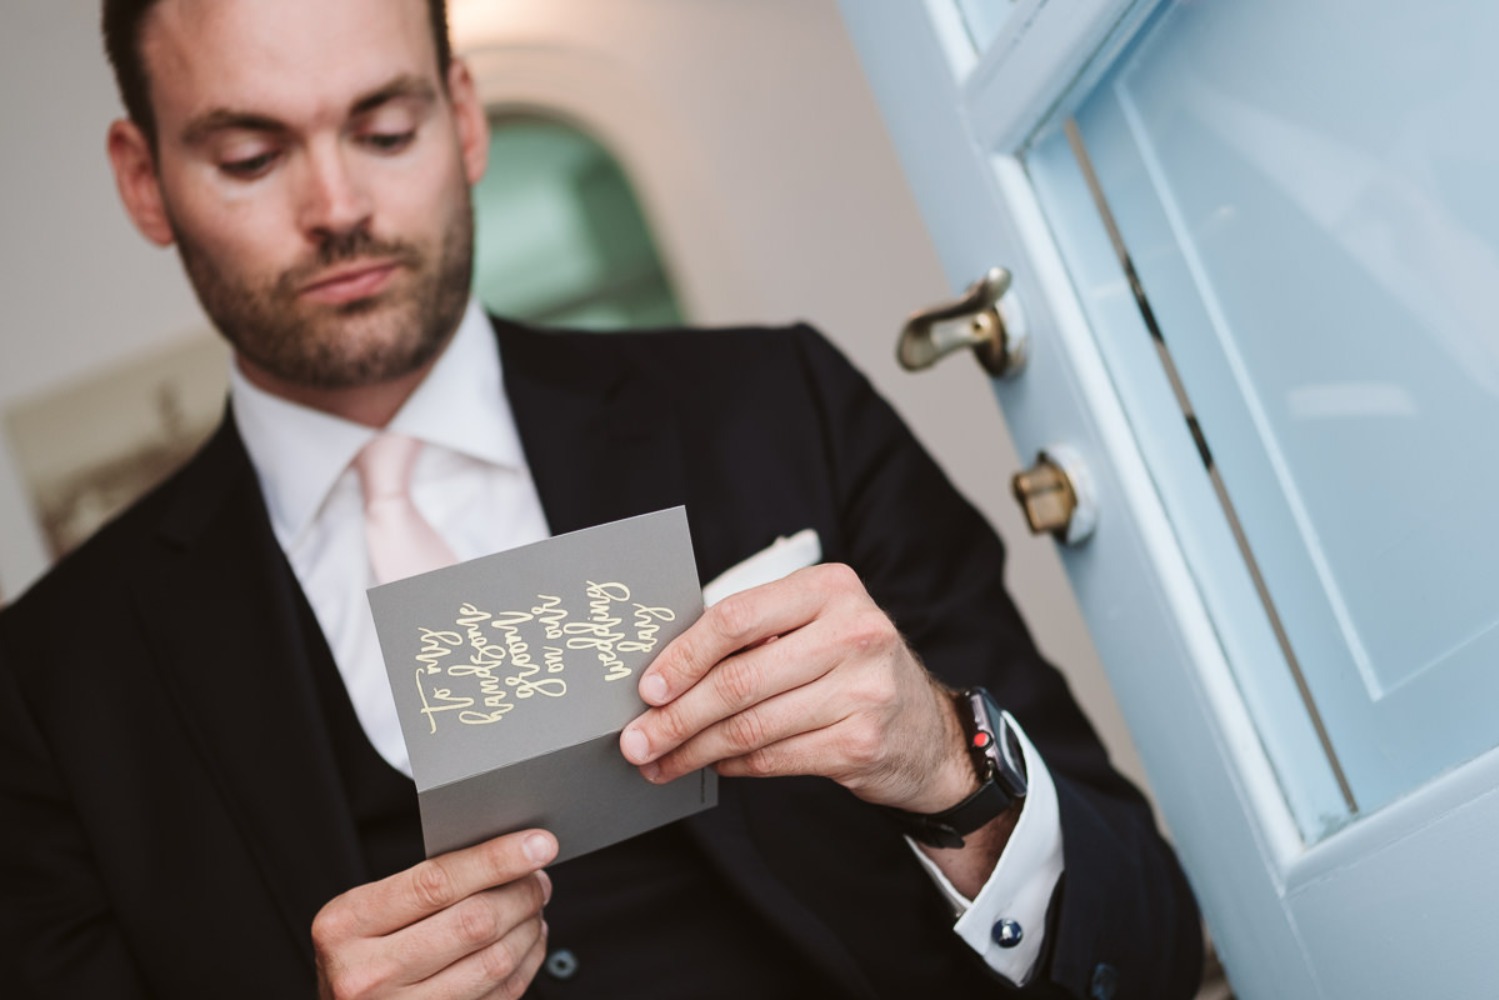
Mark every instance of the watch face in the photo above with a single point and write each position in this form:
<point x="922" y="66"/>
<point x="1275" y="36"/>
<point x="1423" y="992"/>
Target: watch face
<point x="1013" y="766"/>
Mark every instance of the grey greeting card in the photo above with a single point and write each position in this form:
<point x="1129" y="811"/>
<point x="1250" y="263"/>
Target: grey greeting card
<point x="514" y="674"/>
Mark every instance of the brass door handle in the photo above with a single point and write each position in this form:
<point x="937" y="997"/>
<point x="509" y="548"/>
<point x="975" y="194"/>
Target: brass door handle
<point x="987" y="319"/>
<point x="1057" y="496"/>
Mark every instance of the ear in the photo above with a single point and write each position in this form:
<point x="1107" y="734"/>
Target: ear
<point x="138" y="182"/>
<point x="471" y="121"/>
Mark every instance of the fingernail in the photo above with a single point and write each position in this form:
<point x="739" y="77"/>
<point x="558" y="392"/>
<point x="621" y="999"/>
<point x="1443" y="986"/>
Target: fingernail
<point x="653" y="689"/>
<point x="539" y="848"/>
<point x="546" y="887"/>
<point x="636" y="748"/>
<point x="652" y="772"/>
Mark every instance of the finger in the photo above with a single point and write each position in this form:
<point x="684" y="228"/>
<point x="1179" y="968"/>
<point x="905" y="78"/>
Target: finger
<point x="503" y="969"/>
<point x="839" y="751"/>
<point x="517" y="984"/>
<point x="804" y="709"/>
<point x="745" y="679"/>
<point x="437" y="883"/>
<point x="740" y="621"/>
<point x="469" y="926"/>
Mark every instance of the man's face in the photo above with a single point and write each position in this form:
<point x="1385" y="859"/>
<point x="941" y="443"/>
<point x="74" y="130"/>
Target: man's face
<point x="315" y="177"/>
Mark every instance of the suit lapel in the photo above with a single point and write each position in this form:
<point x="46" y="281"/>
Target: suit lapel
<point x="600" y="443"/>
<point x="222" y="615"/>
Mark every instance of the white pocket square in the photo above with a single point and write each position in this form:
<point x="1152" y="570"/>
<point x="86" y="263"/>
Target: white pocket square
<point x="782" y="557"/>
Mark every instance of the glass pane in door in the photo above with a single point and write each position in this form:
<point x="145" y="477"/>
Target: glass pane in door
<point x="1304" y="192"/>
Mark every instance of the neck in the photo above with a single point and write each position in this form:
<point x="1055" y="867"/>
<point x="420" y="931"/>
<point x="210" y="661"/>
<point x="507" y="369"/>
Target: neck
<point x="371" y="405"/>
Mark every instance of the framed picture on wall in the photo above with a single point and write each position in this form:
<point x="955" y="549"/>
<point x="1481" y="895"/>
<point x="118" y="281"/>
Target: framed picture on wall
<point x="85" y="450"/>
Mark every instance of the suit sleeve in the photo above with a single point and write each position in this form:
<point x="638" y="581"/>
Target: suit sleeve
<point x="58" y="937"/>
<point x="1124" y="911"/>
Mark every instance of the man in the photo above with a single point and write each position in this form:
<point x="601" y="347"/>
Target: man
<point x="198" y="762"/>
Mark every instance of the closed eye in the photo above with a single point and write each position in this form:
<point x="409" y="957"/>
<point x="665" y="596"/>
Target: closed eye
<point x="250" y="167"/>
<point x="389" y="142"/>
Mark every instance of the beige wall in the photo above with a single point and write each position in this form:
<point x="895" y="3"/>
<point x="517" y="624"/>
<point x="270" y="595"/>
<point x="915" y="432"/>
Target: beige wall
<point x="79" y="289"/>
<point x="755" y="144"/>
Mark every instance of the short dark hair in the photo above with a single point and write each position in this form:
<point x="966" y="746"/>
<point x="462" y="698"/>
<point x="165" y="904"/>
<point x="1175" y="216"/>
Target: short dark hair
<point x="124" y="21"/>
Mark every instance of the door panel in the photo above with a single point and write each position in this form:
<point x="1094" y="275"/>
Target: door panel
<point x="1294" y="625"/>
<point x="1265" y="681"/>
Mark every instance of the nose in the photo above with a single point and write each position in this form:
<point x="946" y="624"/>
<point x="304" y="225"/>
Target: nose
<point x="334" y="198"/>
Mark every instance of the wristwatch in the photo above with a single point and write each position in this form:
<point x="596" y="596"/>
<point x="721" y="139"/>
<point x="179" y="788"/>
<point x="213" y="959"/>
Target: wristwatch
<point x="1000" y="764"/>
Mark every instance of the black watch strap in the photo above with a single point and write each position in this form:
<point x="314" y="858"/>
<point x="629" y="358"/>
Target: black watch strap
<point x="949" y="827"/>
<point x="1000" y="764"/>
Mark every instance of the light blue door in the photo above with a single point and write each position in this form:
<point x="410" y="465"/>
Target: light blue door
<point x="1256" y="246"/>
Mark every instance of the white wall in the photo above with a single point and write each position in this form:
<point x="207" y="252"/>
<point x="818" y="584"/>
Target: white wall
<point x="757" y="151"/>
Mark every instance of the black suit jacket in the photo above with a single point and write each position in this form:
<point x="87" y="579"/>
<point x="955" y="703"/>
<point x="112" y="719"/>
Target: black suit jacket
<point x="170" y="814"/>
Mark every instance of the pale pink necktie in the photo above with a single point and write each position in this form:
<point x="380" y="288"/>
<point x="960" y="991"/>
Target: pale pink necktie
<point x="402" y="543"/>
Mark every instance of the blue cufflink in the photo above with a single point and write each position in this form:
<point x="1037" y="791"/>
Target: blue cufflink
<point x="1007" y="933"/>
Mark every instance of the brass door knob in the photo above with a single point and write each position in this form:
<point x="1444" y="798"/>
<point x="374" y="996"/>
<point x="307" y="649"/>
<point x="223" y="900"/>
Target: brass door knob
<point x="1057" y="496"/>
<point x="986" y="319"/>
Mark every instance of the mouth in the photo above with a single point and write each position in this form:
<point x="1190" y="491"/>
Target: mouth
<point x="351" y="283"/>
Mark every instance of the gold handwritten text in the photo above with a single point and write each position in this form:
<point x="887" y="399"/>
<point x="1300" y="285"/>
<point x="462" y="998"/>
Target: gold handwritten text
<point x="436" y="645"/>
<point x="550" y="613"/>
<point x="448" y="702"/>
<point x="522" y="663"/>
<point x="647" y="624"/>
<point x="598" y="632"/>
<point x="484" y="657"/>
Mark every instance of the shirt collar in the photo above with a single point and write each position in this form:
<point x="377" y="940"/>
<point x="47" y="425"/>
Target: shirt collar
<point x="300" y="453"/>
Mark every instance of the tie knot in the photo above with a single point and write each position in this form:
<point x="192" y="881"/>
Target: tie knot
<point x="384" y="466"/>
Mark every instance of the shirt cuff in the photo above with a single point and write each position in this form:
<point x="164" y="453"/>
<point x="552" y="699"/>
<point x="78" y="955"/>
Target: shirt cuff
<point x="1024" y="878"/>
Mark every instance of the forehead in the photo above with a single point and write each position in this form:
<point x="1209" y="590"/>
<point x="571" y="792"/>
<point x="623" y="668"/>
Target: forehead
<point x="288" y="59"/>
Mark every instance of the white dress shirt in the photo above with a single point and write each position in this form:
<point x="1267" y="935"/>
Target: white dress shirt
<point x="472" y="484"/>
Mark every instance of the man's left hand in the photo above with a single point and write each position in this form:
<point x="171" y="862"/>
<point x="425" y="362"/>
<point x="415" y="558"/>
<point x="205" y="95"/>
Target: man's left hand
<point x="803" y="676"/>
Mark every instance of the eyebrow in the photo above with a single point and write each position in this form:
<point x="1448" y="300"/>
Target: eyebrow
<point x="405" y="87"/>
<point x="224" y="120"/>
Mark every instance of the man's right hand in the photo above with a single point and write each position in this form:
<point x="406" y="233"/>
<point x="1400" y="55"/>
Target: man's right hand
<point x="460" y="925"/>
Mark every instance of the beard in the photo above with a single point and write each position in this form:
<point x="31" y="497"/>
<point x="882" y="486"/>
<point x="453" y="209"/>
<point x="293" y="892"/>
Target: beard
<point x="364" y="342"/>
